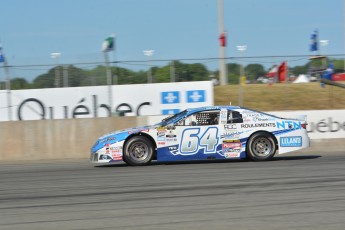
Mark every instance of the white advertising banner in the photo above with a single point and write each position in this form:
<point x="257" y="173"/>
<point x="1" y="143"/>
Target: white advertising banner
<point x="322" y="124"/>
<point x="93" y="101"/>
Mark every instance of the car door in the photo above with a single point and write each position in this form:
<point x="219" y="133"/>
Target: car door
<point x="231" y="133"/>
<point x="198" y="136"/>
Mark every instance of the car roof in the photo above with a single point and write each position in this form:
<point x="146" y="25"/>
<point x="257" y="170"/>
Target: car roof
<point x="199" y="109"/>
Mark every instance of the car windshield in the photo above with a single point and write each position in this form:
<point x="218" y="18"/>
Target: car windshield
<point x="172" y="118"/>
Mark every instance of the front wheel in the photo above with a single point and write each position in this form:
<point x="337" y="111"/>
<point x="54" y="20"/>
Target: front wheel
<point x="138" y="151"/>
<point x="261" y="146"/>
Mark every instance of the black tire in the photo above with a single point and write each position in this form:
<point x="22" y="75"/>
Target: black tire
<point x="138" y="151"/>
<point x="261" y="147"/>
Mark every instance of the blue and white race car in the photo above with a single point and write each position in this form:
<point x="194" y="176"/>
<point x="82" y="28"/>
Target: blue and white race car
<point x="208" y="133"/>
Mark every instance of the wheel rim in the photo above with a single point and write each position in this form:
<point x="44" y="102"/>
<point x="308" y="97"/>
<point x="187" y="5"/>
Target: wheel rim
<point x="138" y="151"/>
<point x="262" y="147"/>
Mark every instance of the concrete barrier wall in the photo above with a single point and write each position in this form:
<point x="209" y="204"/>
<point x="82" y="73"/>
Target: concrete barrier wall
<point x="56" y="139"/>
<point x="72" y="138"/>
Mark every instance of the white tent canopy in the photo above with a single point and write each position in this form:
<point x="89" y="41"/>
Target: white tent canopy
<point x="302" y="78"/>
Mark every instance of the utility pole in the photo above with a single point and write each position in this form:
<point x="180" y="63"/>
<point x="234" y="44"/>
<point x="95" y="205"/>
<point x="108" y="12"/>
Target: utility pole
<point x="57" y="73"/>
<point x="8" y="91"/>
<point x="222" y="70"/>
<point x="7" y="84"/>
<point x="149" y="53"/>
<point x="242" y="49"/>
<point x="108" y="45"/>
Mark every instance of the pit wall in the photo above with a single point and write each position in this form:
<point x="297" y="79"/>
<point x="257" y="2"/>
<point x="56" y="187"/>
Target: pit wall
<point x="72" y="138"/>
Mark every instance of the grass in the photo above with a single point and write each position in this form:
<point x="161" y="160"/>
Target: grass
<point x="302" y="96"/>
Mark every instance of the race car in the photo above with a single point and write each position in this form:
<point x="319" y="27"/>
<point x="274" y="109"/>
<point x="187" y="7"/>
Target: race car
<point x="207" y="133"/>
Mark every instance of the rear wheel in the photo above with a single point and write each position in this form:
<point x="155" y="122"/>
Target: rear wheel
<point x="138" y="151"/>
<point x="261" y="146"/>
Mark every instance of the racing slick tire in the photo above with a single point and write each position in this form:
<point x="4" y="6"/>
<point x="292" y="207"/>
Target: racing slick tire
<point x="138" y="151"/>
<point x="261" y="147"/>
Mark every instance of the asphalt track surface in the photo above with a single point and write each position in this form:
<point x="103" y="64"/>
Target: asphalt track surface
<point x="290" y="192"/>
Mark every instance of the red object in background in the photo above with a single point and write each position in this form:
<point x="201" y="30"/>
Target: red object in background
<point x="273" y="71"/>
<point x="282" y="71"/>
<point x="222" y="39"/>
<point x="338" y="77"/>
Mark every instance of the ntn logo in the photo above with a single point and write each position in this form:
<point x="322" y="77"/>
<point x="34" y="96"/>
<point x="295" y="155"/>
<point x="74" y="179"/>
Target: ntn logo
<point x="289" y="124"/>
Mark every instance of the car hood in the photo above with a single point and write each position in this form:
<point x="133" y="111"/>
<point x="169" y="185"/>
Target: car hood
<point x="118" y="136"/>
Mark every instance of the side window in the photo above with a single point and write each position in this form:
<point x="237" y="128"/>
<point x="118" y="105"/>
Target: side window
<point x="208" y="118"/>
<point x="234" y="117"/>
<point x="200" y="119"/>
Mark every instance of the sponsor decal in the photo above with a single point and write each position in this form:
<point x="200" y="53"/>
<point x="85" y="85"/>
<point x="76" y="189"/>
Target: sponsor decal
<point x="247" y="119"/>
<point x="171" y="134"/>
<point x="117" y="156"/>
<point x="251" y="114"/>
<point x="231" y="148"/>
<point x="138" y="130"/>
<point x="230" y="127"/>
<point x="231" y="135"/>
<point x="289" y="125"/>
<point x="161" y="136"/>
<point x="260" y="119"/>
<point x="258" y="125"/>
<point x="171" y="139"/>
<point x="107" y="139"/>
<point x="223" y="116"/>
<point x="232" y="155"/>
<point x="161" y="143"/>
<point x="194" y="96"/>
<point x="294" y="141"/>
<point x="117" y="149"/>
<point x="232" y="145"/>
<point x="231" y="141"/>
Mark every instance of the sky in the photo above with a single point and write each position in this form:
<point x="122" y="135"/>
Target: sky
<point x="30" y="30"/>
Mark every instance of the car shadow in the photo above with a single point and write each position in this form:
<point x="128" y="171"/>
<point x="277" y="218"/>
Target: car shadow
<point x="293" y="158"/>
<point x="155" y="163"/>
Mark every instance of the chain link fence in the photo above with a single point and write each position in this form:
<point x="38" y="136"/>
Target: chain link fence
<point x="251" y="92"/>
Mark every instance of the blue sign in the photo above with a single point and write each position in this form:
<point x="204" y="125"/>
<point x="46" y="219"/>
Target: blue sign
<point x="295" y="141"/>
<point x="172" y="97"/>
<point x="195" y="96"/>
<point x="170" y="111"/>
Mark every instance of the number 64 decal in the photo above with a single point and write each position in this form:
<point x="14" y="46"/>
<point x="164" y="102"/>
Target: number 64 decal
<point x="192" y="140"/>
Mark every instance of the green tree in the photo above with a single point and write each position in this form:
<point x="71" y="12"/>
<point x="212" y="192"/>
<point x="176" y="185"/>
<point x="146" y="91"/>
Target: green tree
<point x="19" y="83"/>
<point x="77" y="76"/>
<point x="45" y="80"/>
<point x="297" y="70"/>
<point x="97" y="76"/>
<point x="233" y="73"/>
<point x="163" y="74"/>
<point x="253" y="71"/>
<point x="197" y="72"/>
<point x="338" y="65"/>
